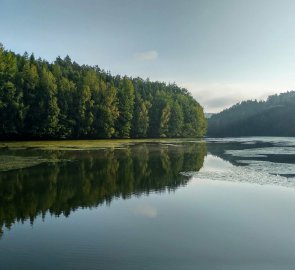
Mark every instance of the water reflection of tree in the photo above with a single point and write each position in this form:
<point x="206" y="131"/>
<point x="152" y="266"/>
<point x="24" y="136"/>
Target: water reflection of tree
<point x="93" y="178"/>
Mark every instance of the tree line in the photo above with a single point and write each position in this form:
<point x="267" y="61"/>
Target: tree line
<point x="65" y="100"/>
<point x="273" y="117"/>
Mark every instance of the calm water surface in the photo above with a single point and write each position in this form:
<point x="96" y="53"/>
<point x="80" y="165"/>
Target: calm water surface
<point x="179" y="204"/>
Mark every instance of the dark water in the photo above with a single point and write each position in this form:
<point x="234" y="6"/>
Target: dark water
<point x="220" y="204"/>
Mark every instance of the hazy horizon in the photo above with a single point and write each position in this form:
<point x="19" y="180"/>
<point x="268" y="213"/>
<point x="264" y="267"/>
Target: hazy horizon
<point x="223" y="52"/>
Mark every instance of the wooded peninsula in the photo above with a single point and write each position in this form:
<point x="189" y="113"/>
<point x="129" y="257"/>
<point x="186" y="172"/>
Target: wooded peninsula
<point x="65" y="100"/>
<point x="272" y="117"/>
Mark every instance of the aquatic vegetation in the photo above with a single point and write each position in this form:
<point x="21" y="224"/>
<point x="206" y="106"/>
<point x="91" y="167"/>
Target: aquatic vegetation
<point x="76" y="145"/>
<point x="8" y="163"/>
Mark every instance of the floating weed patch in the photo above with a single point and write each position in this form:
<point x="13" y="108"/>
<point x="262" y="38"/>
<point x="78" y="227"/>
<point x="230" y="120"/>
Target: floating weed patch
<point x="8" y="163"/>
<point x="62" y="145"/>
<point x="74" y="145"/>
<point x="24" y="154"/>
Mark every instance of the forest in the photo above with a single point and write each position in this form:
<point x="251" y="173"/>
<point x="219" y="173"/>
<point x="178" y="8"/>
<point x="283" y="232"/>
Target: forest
<point x="65" y="100"/>
<point x="273" y="117"/>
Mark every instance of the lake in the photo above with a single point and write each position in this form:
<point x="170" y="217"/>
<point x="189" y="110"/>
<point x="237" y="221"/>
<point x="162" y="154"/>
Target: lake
<point x="148" y="204"/>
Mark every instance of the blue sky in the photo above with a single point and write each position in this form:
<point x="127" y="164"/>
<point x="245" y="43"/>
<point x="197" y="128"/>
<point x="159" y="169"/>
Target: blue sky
<point x="223" y="51"/>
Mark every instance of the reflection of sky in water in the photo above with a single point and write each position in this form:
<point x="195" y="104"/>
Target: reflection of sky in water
<point x="262" y="152"/>
<point x="216" y="168"/>
<point x="285" y="141"/>
<point x="270" y="167"/>
<point x="215" y="164"/>
<point x="263" y="160"/>
<point x="206" y="225"/>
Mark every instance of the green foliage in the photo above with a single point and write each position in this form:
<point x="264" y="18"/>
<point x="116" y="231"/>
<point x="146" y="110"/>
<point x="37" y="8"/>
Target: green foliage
<point x="176" y="121"/>
<point x="126" y="102"/>
<point x="65" y="95"/>
<point x="164" y="121"/>
<point x="273" y="117"/>
<point x="141" y="117"/>
<point x="10" y="109"/>
<point x="65" y="100"/>
<point x="47" y="100"/>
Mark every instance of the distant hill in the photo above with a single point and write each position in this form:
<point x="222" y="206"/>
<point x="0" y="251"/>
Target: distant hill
<point x="208" y="115"/>
<point x="273" y="117"/>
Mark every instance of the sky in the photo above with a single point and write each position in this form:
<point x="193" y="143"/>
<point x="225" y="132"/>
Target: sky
<point x="222" y="51"/>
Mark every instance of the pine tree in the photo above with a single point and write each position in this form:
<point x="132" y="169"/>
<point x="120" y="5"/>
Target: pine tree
<point x="47" y="104"/>
<point x="140" y="123"/>
<point x="176" y="121"/>
<point x="126" y="102"/>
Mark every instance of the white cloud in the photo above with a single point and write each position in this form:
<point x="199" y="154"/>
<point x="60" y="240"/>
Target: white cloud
<point x="147" y="56"/>
<point x="216" y="96"/>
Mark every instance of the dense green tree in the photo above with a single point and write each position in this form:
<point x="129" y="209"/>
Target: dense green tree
<point x="29" y="84"/>
<point x="10" y="111"/>
<point x="47" y="104"/>
<point x="158" y="115"/>
<point x="164" y="121"/>
<point x="176" y="121"/>
<point x="125" y="104"/>
<point x="84" y="115"/>
<point x="105" y="111"/>
<point x="66" y="91"/>
<point x="140" y="123"/>
<point x="65" y="100"/>
<point x="273" y="117"/>
<point x="11" y="104"/>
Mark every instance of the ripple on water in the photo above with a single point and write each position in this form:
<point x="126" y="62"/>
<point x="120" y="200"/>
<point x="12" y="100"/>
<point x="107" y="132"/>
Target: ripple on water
<point x="262" y="152"/>
<point x="217" y="169"/>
